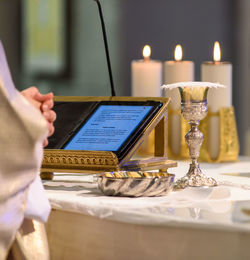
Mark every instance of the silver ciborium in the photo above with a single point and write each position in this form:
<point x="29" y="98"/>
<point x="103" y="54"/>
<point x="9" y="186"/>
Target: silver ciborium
<point x="194" y="108"/>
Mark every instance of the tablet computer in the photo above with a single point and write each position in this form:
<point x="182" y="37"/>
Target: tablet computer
<point x="112" y="126"/>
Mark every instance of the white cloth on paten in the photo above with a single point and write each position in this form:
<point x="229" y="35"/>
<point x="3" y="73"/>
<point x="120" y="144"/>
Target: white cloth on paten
<point x="22" y="131"/>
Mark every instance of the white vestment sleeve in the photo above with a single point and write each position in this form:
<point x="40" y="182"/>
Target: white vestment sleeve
<point x="22" y="131"/>
<point x="38" y="206"/>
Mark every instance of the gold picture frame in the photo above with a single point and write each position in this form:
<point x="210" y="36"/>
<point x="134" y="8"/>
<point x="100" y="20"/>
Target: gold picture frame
<point x="45" y="37"/>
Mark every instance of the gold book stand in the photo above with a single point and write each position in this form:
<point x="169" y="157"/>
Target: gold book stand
<point x="59" y="160"/>
<point x="229" y="143"/>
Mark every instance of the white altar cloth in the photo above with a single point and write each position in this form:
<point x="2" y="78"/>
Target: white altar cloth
<point x="222" y="209"/>
<point x="78" y="193"/>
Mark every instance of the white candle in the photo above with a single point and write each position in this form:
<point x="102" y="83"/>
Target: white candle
<point x="146" y="76"/>
<point x="217" y="72"/>
<point x="176" y="71"/>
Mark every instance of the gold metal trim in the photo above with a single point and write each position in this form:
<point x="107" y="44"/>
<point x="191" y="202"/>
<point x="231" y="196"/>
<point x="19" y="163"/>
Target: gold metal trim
<point x="78" y="161"/>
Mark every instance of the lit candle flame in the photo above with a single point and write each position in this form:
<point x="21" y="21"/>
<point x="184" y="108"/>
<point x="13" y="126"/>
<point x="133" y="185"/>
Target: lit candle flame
<point x="146" y="52"/>
<point x="217" y="52"/>
<point x="178" y="53"/>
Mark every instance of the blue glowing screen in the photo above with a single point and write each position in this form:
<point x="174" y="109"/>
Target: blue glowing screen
<point x="108" y="128"/>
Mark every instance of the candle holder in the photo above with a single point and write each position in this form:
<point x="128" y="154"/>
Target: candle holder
<point x="194" y="108"/>
<point x="228" y="144"/>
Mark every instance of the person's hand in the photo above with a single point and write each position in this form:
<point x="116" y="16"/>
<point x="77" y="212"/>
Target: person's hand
<point x="45" y="104"/>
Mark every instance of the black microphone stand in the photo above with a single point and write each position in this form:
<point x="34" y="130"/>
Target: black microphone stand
<point x="106" y="48"/>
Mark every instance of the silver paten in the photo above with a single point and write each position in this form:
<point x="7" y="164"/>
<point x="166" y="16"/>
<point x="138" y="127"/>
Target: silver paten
<point x="136" y="187"/>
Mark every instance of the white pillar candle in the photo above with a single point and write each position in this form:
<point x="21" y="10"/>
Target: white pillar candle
<point x="176" y="71"/>
<point x="217" y="72"/>
<point x="146" y="76"/>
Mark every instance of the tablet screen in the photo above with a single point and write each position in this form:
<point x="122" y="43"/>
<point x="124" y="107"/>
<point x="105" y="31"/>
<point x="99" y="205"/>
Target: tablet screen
<point x="108" y="128"/>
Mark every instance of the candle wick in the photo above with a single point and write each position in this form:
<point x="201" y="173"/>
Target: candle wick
<point x="146" y="59"/>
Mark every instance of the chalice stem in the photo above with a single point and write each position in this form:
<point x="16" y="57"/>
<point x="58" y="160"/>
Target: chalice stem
<point x="194" y="139"/>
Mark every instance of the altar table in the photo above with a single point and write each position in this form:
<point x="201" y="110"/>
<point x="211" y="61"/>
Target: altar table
<point x="195" y="223"/>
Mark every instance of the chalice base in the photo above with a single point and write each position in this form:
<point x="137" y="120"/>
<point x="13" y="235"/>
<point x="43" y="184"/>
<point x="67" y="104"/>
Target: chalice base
<point x="195" y="178"/>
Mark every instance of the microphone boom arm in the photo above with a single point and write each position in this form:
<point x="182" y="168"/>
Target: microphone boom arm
<point x="106" y="48"/>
